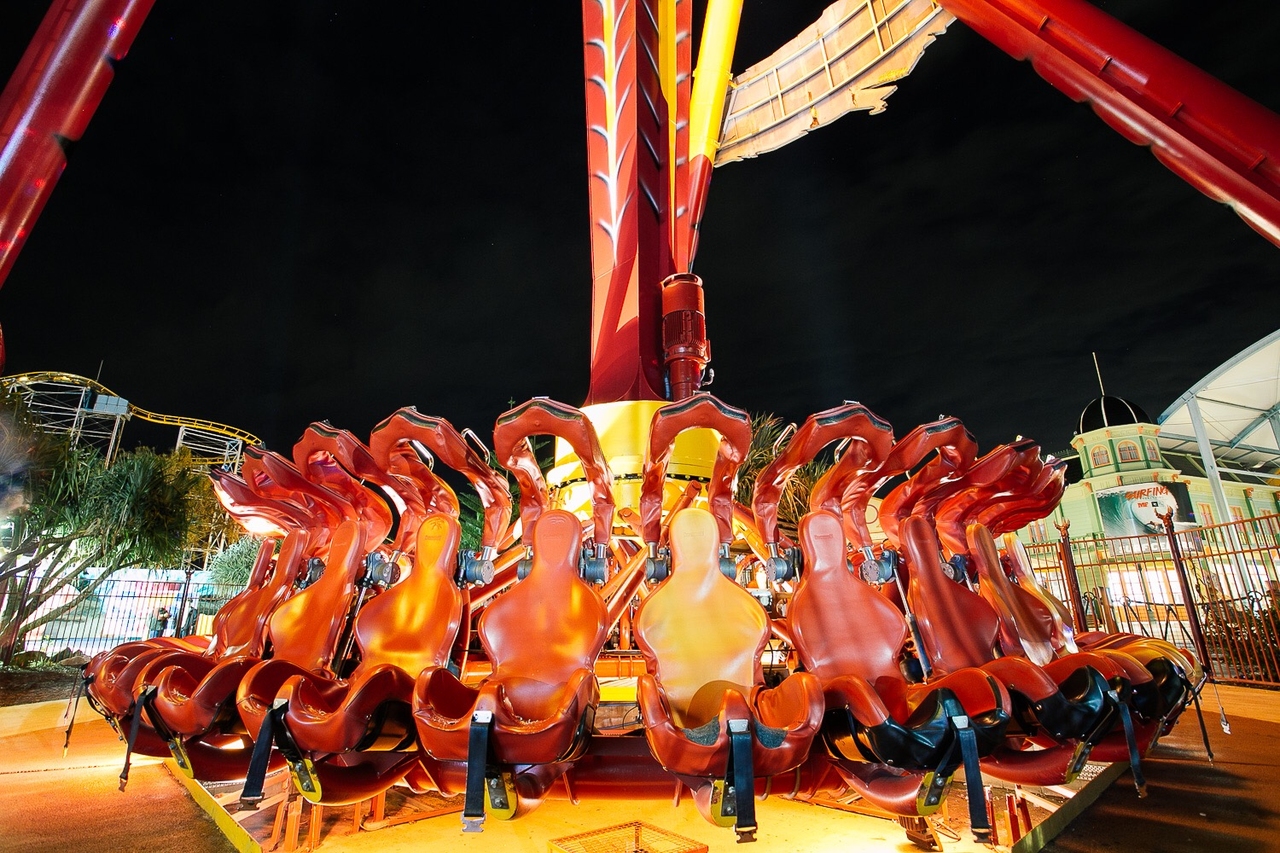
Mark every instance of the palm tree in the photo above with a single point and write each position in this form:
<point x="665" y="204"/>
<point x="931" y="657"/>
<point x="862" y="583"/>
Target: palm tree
<point x="766" y="431"/>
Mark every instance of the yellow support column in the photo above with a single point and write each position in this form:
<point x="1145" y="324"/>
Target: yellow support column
<point x="711" y="78"/>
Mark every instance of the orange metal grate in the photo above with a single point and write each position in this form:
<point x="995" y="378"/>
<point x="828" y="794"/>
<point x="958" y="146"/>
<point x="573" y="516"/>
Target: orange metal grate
<point x="633" y="837"/>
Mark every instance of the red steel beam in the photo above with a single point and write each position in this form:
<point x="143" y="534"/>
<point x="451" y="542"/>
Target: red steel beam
<point x="1219" y="141"/>
<point x="48" y="103"/>
<point x="628" y="198"/>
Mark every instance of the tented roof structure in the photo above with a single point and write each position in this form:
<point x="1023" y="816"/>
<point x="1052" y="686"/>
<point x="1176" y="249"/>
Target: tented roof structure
<point x="1235" y="410"/>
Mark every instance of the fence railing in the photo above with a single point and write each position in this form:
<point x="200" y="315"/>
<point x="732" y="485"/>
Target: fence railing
<point x="1132" y="583"/>
<point x="164" y="603"/>
<point x="1126" y="583"/>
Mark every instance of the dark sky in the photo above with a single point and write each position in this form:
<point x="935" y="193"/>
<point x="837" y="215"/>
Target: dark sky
<point x="293" y="211"/>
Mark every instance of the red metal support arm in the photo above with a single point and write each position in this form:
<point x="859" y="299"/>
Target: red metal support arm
<point x="49" y="100"/>
<point x="1221" y="142"/>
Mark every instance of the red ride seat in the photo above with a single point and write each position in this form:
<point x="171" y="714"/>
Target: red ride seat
<point x="703" y="698"/>
<point x="201" y="683"/>
<point x="853" y="639"/>
<point x="538" y="705"/>
<point x="1071" y="707"/>
<point x="1176" y="673"/>
<point x="1031" y="624"/>
<point x="195" y="695"/>
<point x="110" y="676"/>
<point x="306" y="629"/>
<point x="400" y="633"/>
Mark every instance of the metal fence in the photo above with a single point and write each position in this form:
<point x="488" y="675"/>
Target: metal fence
<point x="1136" y="584"/>
<point x="162" y="603"/>
<point x="1129" y="583"/>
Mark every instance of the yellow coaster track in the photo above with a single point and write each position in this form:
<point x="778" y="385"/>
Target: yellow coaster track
<point x="29" y="379"/>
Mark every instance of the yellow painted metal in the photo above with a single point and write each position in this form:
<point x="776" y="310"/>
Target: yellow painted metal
<point x="623" y="428"/>
<point x="237" y="835"/>
<point x="711" y="78"/>
<point x="618" y="690"/>
<point x="134" y="411"/>
<point x="667" y="66"/>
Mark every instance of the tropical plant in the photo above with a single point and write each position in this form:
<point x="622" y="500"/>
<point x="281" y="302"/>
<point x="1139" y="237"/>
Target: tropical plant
<point x="232" y="566"/>
<point x="78" y="514"/>
<point x="766" y="431"/>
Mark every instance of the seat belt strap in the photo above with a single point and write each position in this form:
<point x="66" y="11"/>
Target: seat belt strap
<point x="742" y="777"/>
<point x="255" y="779"/>
<point x="1135" y="759"/>
<point x="172" y="740"/>
<point x="973" y="779"/>
<point x="133" y="738"/>
<point x="477" y="763"/>
<point x="968" y="740"/>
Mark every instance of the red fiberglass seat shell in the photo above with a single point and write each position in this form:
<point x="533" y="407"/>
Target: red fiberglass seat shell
<point x="702" y="636"/>
<point x="542" y="637"/>
<point x="192" y="697"/>
<point x="869" y="441"/>
<point x="400" y="633"/>
<point x="439" y="438"/>
<point x="1037" y="629"/>
<point x="1069" y="706"/>
<point x="853" y="639"/>
<point x="305" y="630"/>
<point x="192" y="689"/>
<point x="1176" y="673"/>
<point x="543" y="416"/>
<point x="111" y="676"/>
<point x="201" y="683"/>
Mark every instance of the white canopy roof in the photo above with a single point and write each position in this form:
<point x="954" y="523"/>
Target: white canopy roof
<point x="1239" y="408"/>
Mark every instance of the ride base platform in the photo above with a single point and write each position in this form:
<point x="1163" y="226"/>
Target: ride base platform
<point x="1193" y="805"/>
<point x="402" y="820"/>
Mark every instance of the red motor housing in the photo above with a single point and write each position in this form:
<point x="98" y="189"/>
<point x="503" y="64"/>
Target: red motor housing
<point x="685" y="348"/>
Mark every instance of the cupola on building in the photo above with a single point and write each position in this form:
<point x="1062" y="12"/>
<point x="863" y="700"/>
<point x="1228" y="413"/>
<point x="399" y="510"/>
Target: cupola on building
<point x="1212" y="456"/>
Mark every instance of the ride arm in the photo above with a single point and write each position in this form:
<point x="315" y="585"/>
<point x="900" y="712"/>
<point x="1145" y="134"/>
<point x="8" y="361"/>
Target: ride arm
<point x="1213" y="137"/>
<point x="49" y="101"/>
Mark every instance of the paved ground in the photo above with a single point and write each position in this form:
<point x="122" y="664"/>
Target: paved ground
<point x="48" y="803"/>
<point x="1192" y="806"/>
<point x="51" y="804"/>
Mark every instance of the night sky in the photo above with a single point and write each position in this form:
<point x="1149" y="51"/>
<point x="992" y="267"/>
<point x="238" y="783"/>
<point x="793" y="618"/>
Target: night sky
<point x="295" y="211"/>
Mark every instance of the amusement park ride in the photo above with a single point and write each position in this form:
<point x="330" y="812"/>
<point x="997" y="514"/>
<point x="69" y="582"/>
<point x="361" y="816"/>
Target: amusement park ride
<point x="371" y="650"/>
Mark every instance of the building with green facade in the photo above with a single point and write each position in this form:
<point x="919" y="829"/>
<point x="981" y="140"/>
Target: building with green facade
<point x="1212" y="457"/>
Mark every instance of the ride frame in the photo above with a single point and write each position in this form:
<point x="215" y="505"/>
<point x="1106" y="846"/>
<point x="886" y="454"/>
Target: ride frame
<point x="654" y="132"/>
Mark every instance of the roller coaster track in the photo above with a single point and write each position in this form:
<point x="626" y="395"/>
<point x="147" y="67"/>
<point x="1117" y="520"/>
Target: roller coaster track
<point x="30" y="385"/>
